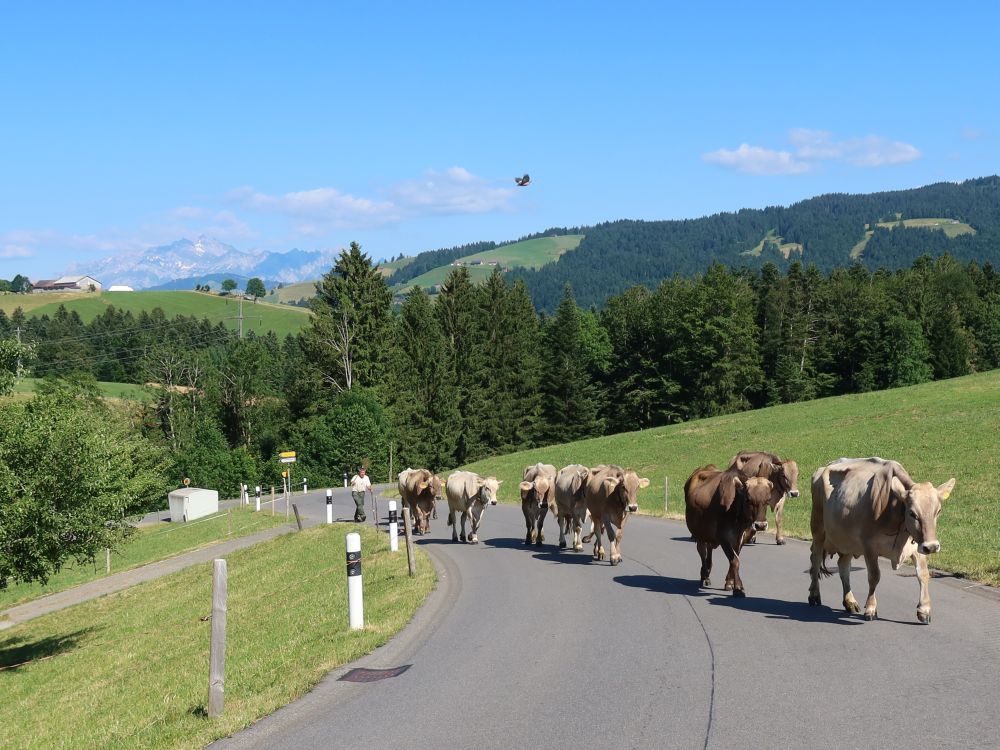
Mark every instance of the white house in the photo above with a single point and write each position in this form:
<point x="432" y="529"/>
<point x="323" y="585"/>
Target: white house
<point x="83" y="283"/>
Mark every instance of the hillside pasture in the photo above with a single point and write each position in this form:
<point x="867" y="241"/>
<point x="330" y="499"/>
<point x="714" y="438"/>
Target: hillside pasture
<point x="936" y="430"/>
<point x="950" y="227"/>
<point x="785" y="248"/>
<point x="528" y="254"/>
<point x="260" y="317"/>
<point x="120" y="391"/>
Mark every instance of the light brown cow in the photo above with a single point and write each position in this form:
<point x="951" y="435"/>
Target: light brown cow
<point x="784" y="475"/>
<point x="571" y="505"/>
<point x="419" y="489"/>
<point x="537" y="498"/>
<point x="468" y="495"/>
<point x="611" y="495"/>
<point x="719" y="508"/>
<point x="871" y="507"/>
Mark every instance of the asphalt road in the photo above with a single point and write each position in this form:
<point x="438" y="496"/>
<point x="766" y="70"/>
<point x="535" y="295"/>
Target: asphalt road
<point x="524" y="647"/>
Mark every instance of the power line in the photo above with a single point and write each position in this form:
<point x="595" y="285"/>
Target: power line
<point x="205" y="338"/>
<point x="132" y="329"/>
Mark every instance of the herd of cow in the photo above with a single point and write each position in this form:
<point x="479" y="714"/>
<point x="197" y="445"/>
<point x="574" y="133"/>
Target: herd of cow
<point x="861" y="507"/>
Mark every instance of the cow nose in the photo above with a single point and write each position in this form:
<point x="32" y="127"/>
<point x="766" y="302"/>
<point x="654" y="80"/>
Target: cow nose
<point x="633" y="508"/>
<point x="793" y="493"/>
<point x="760" y="525"/>
<point x="493" y="501"/>
<point x="929" y="548"/>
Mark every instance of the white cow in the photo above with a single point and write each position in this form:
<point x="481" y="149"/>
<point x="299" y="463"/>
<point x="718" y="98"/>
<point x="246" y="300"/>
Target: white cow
<point x="468" y="495"/>
<point x="871" y="508"/>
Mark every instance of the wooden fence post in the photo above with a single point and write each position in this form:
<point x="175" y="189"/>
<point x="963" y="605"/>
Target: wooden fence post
<point x="666" y="487"/>
<point x="217" y="653"/>
<point x="298" y="520"/>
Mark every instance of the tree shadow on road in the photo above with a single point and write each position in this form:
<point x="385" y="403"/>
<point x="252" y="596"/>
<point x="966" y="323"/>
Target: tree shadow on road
<point x="771" y="608"/>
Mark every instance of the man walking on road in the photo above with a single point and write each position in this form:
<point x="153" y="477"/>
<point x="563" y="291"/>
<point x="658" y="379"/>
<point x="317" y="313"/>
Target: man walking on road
<point x="360" y="483"/>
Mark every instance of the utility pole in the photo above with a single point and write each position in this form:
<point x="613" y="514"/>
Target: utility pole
<point x="241" y="316"/>
<point x="18" y="329"/>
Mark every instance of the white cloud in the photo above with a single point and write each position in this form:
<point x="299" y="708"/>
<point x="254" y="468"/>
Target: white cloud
<point x="453" y="191"/>
<point x="811" y="147"/>
<point x="756" y="160"/>
<point x="16" y="251"/>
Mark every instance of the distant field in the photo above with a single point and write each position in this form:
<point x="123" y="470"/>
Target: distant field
<point x="936" y="430"/>
<point x="950" y="227"/>
<point x="293" y="292"/>
<point x="123" y="391"/>
<point x="259" y="317"/>
<point x="786" y="248"/>
<point x="528" y="254"/>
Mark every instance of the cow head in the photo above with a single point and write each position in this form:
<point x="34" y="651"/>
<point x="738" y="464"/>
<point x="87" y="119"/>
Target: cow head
<point x="787" y="477"/>
<point x="625" y="488"/>
<point x="536" y="490"/>
<point x="757" y="494"/>
<point x="437" y="486"/>
<point x="488" y="490"/>
<point x="921" y="506"/>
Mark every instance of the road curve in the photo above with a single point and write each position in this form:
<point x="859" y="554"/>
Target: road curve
<point x="539" y="647"/>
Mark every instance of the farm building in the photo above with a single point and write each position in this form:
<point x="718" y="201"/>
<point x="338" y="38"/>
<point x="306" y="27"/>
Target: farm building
<point x="68" y="284"/>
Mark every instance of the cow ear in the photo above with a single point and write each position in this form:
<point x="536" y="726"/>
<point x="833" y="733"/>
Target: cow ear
<point x="499" y="482"/>
<point x="526" y="486"/>
<point x="643" y="483"/>
<point x="739" y="462"/>
<point x="423" y="485"/>
<point x="770" y="484"/>
<point x="883" y="490"/>
<point x="611" y="482"/>
<point x="728" y="491"/>
<point x="944" y="491"/>
<point x="897" y="487"/>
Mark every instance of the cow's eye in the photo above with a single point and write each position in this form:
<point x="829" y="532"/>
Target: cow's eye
<point x="913" y="514"/>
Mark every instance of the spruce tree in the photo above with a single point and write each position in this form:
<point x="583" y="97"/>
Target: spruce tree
<point x="456" y="312"/>
<point x="423" y="398"/>
<point x="569" y="397"/>
<point x="347" y="339"/>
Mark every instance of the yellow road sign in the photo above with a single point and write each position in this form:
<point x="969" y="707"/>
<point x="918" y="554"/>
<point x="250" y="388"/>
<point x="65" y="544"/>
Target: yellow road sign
<point x="286" y="454"/>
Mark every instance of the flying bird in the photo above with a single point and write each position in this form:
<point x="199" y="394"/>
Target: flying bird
<point x="522" y="181"/>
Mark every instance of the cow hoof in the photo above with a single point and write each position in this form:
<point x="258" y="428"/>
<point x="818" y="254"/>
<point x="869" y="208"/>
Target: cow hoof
<point x="616" y="561"/>
<point x="527" y="539"/>
<point x="474" y="540"/>
<point x="779" y="541"/>
<point x="814" y="600"/>
<point x="739" y="593"/>
<point x="462" y="538"/>
<point x="728" y="586"/>
<point x="706" y="582"/>
<point x="562" y="545"/>
<point x="578" y="548"/>
<point x="871" y="615"/>
<point x="924" y="617"/>
<point x="853" y="607"/>
<point x="541" y="538"/>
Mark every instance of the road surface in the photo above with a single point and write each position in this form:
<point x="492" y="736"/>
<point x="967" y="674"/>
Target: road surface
<point x="523" y="647"/>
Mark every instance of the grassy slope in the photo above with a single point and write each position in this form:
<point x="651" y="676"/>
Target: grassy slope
<point x="131" y="669"/>
<point x="149" y="544"/>
<point x="936" y="430"/>
<point x="951" y="229"/>
<point x="121" y="391"/>
<point x="281" y="319"/>
<point x="529" y="254"/>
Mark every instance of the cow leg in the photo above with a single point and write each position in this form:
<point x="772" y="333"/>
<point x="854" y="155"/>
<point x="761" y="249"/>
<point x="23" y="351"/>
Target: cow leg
<point x="874" y="575"/>
<point x="705" y="552"/>
<point x="613" y="538"/>
<point x="434" y="509"/>
<point x="844" y="566"/>
<point x="816" y="561"/>
<point x="779" y="511"/>
<point x="734" y="567"/>
<point x="475" y="517"/>
<point x="924" y="578"/>
<point x="462" y="536"/>
<point x="589" y="536"/>
<point x="563" y="528"/>
<point x="598" y="547"/>
<point x="529" y="537"/>
<point x="579" y="519"/>
<point x="453" y="524"/>
<point x="540" y="536"/>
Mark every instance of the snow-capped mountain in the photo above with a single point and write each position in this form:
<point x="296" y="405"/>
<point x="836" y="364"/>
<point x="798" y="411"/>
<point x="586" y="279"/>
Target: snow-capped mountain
<point x="185" y="259"/>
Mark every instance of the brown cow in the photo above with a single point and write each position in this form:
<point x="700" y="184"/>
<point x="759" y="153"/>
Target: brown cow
<point x="783" y="474"/>
<point x="419" y="489"/>
<point x="720" y="506"/>
<point x="611" y="495"/>
<point x="571" y="481"/>
<point x="537" y="498"/>
<point x="871" y="507"/>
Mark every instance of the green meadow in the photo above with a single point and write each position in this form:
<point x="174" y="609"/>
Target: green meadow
<point x="938" y="430"/>
<point x="142" y="654"/>
<point x="260" y="317"/>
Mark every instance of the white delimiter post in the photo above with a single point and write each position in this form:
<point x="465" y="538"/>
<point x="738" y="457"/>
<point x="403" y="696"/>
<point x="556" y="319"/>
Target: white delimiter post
<point x="329" y="506"/>
<point x="355" y="600"/>
<point x="393" y="527"/>
<point x="258" y="498"/>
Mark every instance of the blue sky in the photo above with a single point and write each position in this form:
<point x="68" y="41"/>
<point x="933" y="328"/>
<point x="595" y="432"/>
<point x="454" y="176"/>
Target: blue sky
<point x="309" y="125"/>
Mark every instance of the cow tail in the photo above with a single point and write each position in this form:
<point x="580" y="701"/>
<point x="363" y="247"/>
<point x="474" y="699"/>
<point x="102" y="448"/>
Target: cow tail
<point x="449" y="519"/>
<point x="822" y="566"/>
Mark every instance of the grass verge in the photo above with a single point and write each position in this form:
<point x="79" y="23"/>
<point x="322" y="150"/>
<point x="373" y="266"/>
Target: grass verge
<point x="950" y="428"/>
<point x="131" y="669"/>
<point x="149" y="544"/>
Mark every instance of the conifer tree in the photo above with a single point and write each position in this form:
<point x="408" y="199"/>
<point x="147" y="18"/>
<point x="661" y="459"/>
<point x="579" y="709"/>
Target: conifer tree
<point x="423" y="398"/>
<point x="347" y="340"/>
<point x="456" y="312"/>
<point x="569" y="397"/>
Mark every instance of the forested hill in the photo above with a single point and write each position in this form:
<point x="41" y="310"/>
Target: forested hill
<point x="881" y="230"/>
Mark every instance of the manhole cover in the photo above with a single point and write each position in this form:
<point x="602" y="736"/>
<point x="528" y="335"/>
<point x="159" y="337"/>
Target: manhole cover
<point x="373" y="675"/>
